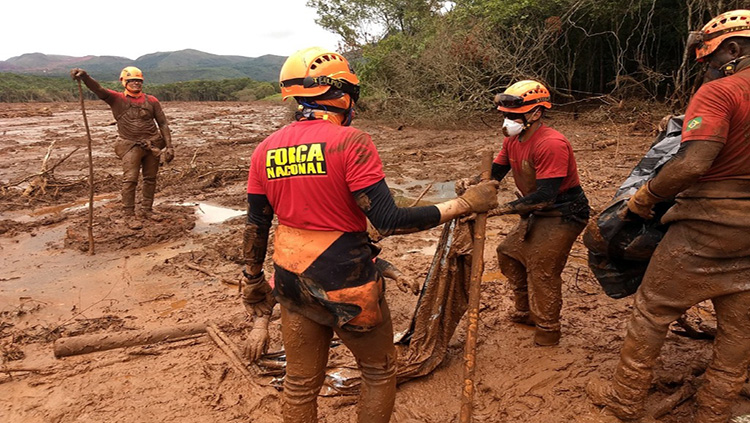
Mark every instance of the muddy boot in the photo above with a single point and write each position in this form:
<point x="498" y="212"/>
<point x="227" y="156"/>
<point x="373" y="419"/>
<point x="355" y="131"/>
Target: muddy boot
<point x="546" y="337"/>
<point x="134" y="223"/>
<point x="152" y="216"/>
<point x="521" y="317"/>
<point x="602" y="394"/>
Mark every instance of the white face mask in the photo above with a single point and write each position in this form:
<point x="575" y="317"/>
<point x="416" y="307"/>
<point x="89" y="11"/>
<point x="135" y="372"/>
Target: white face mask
<point x="511" y="127"/>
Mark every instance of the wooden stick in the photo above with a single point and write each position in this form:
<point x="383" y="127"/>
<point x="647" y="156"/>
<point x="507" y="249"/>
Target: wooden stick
<point x="477" y="268"/>
<point x="229" y="349"/>
<point x="686" y="391"/>
<point x="91" y="172"/>
<point x="424" y="191"/>
<point x="85" y="344"/>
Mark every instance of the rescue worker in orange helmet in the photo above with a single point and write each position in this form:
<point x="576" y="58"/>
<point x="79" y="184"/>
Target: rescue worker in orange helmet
<point x="705" y="253"/>
<point x="143" y="132"/>
<point x="323" y="179"/>
<point x="553" y="208"/>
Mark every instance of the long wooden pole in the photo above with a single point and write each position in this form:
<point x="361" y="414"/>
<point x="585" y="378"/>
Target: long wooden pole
<point x="91" y="172"/>
<point x="477" y="268"/>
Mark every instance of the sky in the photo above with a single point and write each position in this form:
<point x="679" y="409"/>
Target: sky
<point x="132" y="29"/>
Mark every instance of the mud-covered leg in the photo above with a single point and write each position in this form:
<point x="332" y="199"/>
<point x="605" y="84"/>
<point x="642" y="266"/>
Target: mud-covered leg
<point x="150" y="164"/>
<point x="515" y="271"/>
<point x="306" y="344"/>
<point x="728" y="369"/>
<point x="376" y="358"/>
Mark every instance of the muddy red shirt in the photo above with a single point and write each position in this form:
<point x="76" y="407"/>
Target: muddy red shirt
<point x="720" y="112"/>
<point x="137" y="116"/>
<point x="547" y="154"/>
<point x="309" y="169"/>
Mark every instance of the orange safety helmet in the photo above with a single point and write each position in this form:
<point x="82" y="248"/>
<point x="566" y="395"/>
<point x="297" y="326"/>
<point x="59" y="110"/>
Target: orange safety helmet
<point x="313" y="71"/>
<point x="735" y="23"/>
<point x="128" y="73"/>
<point x="522" y="97"/>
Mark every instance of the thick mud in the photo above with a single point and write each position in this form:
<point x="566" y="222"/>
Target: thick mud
<point x="184" y="269"/>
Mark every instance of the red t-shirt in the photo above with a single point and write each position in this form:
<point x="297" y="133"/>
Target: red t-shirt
<point x="309" y="169"/>
<point x="547" y="154"/>
<point x="720" y="112"/>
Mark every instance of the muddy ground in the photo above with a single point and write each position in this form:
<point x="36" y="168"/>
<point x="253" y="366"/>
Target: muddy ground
<point x="182" y="270"/>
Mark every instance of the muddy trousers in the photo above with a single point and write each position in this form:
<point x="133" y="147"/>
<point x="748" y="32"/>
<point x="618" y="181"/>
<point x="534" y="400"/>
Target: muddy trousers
<point x="675" y="281"/>
<point x="306" y="345"/>
<point x="135" y="161"/>
<point x="532" y="257"/>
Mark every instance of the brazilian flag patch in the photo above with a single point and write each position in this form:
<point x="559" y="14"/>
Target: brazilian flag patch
<point x="694" y="123"/>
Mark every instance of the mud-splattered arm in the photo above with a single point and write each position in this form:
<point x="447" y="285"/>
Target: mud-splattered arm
<point x="257" y="227"/>
<point x="693" y="159"/>
<point x="161" y="121"/>
<point x="545" y="194"/>
<point x="91" y="84"/>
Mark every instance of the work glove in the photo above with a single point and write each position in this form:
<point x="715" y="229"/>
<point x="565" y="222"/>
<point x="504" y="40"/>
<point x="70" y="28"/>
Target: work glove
<point x="404" y="284"/>
<point x="256" y="296"/>
<point x="643" y="201"/>
<point x="462" y="185"/>
<point x="168" y="154"/>
<point x="257" y="342"/>
<point x="77" y="73"/>
<point x="481" y="197"/>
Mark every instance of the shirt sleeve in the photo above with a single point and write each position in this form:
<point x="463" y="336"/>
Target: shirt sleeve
<point x="551" y="159"/>
<point x="255" y="177"/>
<point x="363" y="165"/>
<point x="502" y="156"/>
<point x="708" y="114"/>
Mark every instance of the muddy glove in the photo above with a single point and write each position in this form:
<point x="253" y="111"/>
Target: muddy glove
<point x="643" y="201"/>
<point x="481" y="197"/>
<point x="403" y="283"/>
<point x="463" y="184"/>
<point x="168" y="154"/>
<point x="256" y="296"/>
<point x="257" y="342"/>
<point x="78" y="73"/>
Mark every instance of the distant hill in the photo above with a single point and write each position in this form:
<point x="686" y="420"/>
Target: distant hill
<point x="159" y="68"/>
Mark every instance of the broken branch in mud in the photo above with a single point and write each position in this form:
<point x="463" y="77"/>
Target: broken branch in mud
<point x="40" y="180"/>
<point x="230" y="350"/>
<point x="686" y="391"/>
<point x="85" y="344"/>
<point x="424" y="191"/>
<point x="209" y="273"/>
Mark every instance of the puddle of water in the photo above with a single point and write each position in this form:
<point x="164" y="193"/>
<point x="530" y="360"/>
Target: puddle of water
<point x="208" y="215"/>
<point x="174" y="306"/>
<point x="76" y="205"/>
<point x="405" y="193"/>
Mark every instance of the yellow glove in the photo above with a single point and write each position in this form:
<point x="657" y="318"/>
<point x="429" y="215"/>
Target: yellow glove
<point x="643" y="201"/>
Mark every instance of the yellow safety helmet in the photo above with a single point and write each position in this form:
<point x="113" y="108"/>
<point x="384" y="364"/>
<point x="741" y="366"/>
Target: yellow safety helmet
<point x="313" y="71"/>
<point x="735" y="23"/>
<point x="128" y="73"/>
<point x="522" y="97"/>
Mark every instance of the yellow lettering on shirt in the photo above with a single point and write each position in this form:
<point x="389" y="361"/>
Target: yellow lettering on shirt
<point x="300" y="160"/>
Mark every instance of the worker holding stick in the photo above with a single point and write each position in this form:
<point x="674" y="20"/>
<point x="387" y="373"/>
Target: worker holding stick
<point x="143" y="136"/>
<point x="323" y="179"/>
<point x="553" y="208"/>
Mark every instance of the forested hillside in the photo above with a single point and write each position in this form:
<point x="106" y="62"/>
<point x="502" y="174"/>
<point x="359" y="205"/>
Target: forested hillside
<point x="27" y="88"/>
<point x="435" y="58"/>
